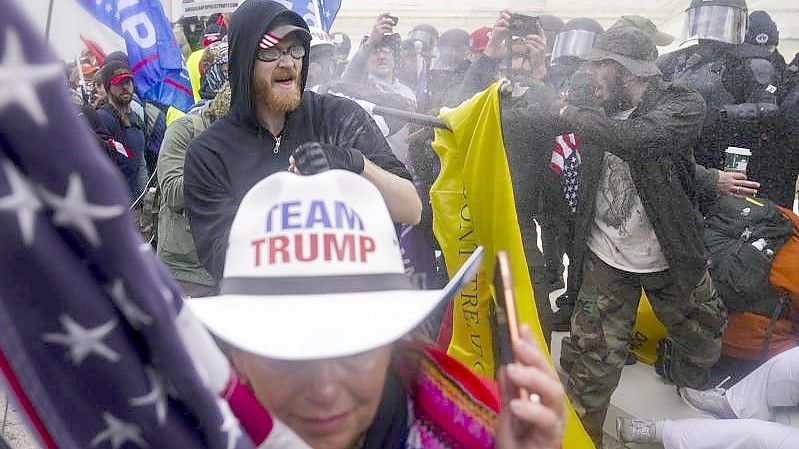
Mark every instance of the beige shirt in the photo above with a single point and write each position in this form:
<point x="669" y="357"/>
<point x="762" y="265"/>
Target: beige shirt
<point x="622" y="235"/>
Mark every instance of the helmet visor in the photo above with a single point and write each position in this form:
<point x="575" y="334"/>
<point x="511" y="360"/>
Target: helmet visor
<point x="572" y="43"/>
<point x="716" y="23"/>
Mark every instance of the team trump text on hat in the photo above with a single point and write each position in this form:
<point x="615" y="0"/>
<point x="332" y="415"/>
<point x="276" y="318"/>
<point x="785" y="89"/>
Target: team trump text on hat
<point x="312" y="231"/>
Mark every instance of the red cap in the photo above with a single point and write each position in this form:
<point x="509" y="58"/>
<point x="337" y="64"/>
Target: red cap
<point x="119" y="75"/>
<point x="478" y="40"/>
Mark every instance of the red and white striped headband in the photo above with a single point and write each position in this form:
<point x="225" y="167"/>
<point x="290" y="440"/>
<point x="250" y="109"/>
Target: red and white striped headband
<point x="273" y="37"/>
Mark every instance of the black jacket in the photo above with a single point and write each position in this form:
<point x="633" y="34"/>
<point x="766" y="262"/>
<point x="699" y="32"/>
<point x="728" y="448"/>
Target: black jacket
<point x="656" y="143"/>
<point x="236" y="152"/>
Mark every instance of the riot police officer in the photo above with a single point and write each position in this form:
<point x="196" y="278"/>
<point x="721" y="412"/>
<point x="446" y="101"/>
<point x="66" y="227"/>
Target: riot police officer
<point x="574" y="39"/>
<point x="737" y="80"/>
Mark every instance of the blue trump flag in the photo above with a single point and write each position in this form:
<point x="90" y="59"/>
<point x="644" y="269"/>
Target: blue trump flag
<point x="317" y="13"/>
<point x="153" y="53"/>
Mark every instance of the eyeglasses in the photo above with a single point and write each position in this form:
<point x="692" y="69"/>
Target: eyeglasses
<point x="274" y="53"/>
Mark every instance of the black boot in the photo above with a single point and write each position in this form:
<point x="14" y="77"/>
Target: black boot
<point x="561" y="320"/>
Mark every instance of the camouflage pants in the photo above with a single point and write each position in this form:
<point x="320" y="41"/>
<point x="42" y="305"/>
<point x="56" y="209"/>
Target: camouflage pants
<point x="602" y="325"/>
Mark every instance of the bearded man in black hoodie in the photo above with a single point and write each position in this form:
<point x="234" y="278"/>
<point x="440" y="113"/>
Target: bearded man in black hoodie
<point x="273" y="125"/>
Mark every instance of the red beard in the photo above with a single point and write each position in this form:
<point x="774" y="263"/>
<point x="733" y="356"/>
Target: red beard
<point x="279" y="98"/>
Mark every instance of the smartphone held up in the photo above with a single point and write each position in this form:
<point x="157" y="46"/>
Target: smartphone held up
<point x="507" y="323"/>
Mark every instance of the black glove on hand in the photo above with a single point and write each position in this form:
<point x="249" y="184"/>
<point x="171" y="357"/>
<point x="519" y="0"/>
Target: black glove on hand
<point x="543" y="103"/>
<point x="581" y="91"/>
<point x="311" y="158"/>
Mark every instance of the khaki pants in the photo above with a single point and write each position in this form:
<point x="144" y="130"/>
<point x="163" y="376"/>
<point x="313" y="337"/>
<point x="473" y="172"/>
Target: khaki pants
<point x="602" y="325"/>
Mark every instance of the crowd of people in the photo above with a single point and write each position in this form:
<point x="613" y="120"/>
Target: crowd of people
<point x="619" y="156"/>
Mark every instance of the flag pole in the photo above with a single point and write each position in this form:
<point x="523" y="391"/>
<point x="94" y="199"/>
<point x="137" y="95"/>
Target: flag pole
<point x="505" y="89"/>
<point x="49" y="21"/>
<point x="410" y="117"/>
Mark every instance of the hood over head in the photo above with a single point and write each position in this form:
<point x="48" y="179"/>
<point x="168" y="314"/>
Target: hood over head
<point x="248" y="24"/>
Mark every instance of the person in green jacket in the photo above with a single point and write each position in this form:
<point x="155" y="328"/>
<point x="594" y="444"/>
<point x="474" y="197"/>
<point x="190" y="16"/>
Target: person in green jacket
<point x="175" y="243"/>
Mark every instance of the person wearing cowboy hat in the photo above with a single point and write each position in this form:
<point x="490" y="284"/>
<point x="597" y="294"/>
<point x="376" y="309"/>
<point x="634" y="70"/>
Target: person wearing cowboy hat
<point x="636" y="224"/>
<point x="315" y="313"/>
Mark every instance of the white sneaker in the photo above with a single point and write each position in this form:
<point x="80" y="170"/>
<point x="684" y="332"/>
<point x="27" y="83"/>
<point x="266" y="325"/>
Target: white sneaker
<point x="713" y="401"/>
<point x="640" y="431"/>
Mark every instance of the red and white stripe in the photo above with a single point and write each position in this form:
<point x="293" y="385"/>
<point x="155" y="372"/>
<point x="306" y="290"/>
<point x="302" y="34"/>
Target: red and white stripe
<point x="269" y="40"/>
<point x="565" y="146"/>
<point x="120" y="148"/>
<point x="31" y="417"/>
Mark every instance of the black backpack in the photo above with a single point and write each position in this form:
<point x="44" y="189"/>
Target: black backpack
<point x="742" y="237"/>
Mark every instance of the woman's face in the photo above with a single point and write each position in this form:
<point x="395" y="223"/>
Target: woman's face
<point x="329" y="403"/>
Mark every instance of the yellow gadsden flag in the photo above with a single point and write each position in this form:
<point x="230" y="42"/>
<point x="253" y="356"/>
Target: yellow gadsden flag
<point x="473" y="206"/>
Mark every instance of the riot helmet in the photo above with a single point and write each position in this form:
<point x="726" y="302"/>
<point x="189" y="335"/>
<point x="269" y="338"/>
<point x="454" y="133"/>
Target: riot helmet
<point x="423" y="38"/>
<point x="342" y="42"/>
<point x="453" y="47"/>
<point x="551" y="26"/>
<point x="575" y="38"/>
<point x="716" y="20"/>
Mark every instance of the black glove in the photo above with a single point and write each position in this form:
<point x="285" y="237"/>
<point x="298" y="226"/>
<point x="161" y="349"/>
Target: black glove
<point x="311" y="158"/>
<point x="544" y="103"/>
<point x="581" y="91"/>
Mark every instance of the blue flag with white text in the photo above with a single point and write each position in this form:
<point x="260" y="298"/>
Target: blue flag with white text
<point x="153" y="53"/>
<point x="318" y="13"/>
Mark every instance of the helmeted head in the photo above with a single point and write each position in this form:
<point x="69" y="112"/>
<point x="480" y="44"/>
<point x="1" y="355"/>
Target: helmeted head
<point x="716" y="20"/>
<point x="341" y="56"/>
<point x="576" y="38"/>
<point x="762" y="30"/>
<point x="551" y="26"/>
<point x="259" y="29"/>
<point x="453" y="49"/>
<point x="424" y="38"/>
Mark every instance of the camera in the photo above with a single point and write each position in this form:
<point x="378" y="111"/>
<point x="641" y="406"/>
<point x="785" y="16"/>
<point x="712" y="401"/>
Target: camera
<point x="522" y="25"/>
<point x="394" y="19"/>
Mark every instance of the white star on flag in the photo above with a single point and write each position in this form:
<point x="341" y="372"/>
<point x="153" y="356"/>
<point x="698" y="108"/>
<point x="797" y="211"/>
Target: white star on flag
<point x="108" y="8"/>
<point x="155" y="397"/>
<point x="119" y="432"/>
<point x="98" y="2"/>
<point x="73" y="210"/>
<point x="17" y="78"/>
<point x="82" y="341"/>
<point x="230" y="424"/>
<point x="167" y="294"/>
<point x="22" y="200"/>
<point x="132" y="312"/>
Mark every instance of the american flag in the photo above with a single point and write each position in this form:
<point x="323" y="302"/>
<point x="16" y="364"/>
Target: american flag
<point x="89" y="344"/>
<point x="565" y="163"/>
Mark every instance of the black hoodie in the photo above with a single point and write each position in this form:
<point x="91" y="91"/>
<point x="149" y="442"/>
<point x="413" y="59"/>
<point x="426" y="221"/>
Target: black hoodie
<point x="236" y="152"/>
